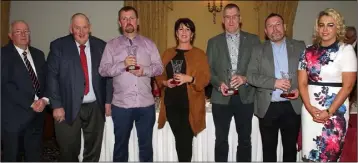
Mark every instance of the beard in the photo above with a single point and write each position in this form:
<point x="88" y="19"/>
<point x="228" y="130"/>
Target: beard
<point x="277" y="36"/>
<point x="129" y="28"/>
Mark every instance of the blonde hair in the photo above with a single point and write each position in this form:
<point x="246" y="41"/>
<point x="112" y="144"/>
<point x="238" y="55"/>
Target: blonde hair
<point x="341" y="27"/>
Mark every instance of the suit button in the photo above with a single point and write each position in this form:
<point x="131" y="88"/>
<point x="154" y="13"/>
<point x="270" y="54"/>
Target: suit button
<point x="270" y="93"/>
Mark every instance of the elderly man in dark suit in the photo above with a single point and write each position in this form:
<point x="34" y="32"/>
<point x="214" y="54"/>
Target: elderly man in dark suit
<point x="79" y="96"/>
<point x="228" y="51"/>
<point x="269" y="64"/>
<point x="23" y="74"/>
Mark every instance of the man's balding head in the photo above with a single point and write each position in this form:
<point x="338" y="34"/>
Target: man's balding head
<point x="80" y="27"/>
<point x="351" y="35"/>
<point x="19" y="33"/>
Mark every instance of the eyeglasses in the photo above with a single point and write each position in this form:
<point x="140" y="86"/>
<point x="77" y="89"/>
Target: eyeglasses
<point x="234" y="17"/>
<point x="21" y="32"/>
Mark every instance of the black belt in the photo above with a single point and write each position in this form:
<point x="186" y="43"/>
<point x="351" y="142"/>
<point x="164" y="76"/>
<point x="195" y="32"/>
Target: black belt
<point x="281" y="102"/>
<point x="325" y="84"/>
<point x="89" y="103"/>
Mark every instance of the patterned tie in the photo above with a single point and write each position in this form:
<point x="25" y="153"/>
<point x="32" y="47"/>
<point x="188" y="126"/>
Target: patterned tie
<point x="84" y="67"/>
<point x="35" y="82"/>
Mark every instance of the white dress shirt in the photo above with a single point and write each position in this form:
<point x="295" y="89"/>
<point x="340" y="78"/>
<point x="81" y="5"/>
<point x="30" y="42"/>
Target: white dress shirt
<point x="90" y="97"/>
<point x="29" y="57"/>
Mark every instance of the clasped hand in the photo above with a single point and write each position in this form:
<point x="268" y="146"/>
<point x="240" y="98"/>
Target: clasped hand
<point x="38" y="105"/>
<point x="181" y="78"/>
<point x="236" y="82"/>
<point x="282" y="84"/>
<point x="132" y="61"/>
<point x="319" y="116"/>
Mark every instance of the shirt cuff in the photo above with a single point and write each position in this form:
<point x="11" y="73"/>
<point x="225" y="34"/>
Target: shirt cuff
<point x="47" y="100"/>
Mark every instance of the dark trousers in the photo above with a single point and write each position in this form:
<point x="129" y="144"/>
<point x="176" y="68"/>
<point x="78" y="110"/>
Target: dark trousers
<point x="222" y="115"/>
<point x="178" y="118"/>
<point x="279" y="116"/>
<point x="28" y="140"/>
<point x="91" y="121"/>
<point x="123" y="119"/>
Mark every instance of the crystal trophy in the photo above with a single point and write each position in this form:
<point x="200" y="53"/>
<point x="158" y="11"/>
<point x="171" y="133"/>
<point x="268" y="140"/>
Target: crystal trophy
<point x="287" y="76"/>
<point x="132" y="51"/>
<point x="176" y="64"/>
<point x="231" y="90"/>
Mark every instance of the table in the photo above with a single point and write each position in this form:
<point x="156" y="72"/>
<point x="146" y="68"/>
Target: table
<point x="203" y="144"/>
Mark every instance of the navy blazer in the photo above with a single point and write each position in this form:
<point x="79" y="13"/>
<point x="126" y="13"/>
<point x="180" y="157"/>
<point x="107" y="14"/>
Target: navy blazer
<point x="17" y="92"/>
<point x="66" y="83"/>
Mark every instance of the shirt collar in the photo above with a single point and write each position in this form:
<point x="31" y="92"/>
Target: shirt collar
<point x="127" y="38"/>
<point x="283" y="42"/>
<point x="21" y="50"/>
<point x="86" y="44"/>
<point x="232" y="35"/>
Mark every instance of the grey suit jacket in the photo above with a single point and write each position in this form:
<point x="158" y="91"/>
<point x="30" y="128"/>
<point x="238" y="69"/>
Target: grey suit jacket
<point x="219" y="61"/>
<point x="261" y="74"/>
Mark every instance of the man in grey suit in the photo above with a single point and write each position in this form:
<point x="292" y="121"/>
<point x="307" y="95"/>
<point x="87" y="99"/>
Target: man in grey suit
<point x="231" y="50"/>
<point x="277" y="55"/>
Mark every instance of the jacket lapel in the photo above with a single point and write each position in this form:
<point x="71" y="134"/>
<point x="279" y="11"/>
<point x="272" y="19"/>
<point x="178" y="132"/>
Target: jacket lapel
<point x="224" y="48"/>
<point x="241" y="53"/>
<point x="290" y="56"/>
<point x="95" y="60"/>
<point x="268" y="53"/>
<point x="35" y="59"/>
<point x="18" y="61"/>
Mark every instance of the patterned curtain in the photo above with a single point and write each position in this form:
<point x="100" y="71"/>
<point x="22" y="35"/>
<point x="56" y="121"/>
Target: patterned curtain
<point x="287" y="9"/>
<point x="153" y="20"/>
<point x="5" y="15"/>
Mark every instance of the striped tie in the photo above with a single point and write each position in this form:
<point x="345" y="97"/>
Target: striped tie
<point x="35" y="82"/>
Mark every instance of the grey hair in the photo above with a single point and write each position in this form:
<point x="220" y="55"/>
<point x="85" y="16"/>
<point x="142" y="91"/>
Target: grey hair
<point x="15" y="22"/>
<point x="80" y="14"/>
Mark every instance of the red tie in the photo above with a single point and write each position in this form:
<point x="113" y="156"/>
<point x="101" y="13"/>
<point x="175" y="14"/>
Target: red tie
<point x="85" y="67"/>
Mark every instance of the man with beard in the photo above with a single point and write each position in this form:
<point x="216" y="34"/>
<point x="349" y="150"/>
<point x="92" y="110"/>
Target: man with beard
<point x="132" y="99"/>
<point x="79" y="96"/>
<point x="269" y="62"/>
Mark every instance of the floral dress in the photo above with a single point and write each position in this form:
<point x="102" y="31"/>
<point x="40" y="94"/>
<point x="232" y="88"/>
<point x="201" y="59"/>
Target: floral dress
<point x="324" y="66"/>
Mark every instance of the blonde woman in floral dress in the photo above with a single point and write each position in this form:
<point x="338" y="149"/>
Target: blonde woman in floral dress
<point x="326" y="76"/>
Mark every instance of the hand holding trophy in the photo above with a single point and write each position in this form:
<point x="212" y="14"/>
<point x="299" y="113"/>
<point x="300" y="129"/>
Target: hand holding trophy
<point x="231" y="90"/>
<point x="132" y="51"/>
<point x="176" y="65"/>
<point x="287" y="76"/>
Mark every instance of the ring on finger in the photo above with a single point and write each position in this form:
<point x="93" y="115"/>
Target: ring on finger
<point x="317" y="115"/>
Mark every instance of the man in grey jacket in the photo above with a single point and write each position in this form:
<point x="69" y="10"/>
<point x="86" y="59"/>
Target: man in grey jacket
<point x="228" y="51"/>
<point x="270" y="63"/>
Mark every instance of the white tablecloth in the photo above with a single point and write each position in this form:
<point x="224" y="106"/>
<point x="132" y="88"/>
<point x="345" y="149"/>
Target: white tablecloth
<point x="203" y="144"/>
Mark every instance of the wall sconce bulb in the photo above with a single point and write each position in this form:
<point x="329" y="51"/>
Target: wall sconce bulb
<point x="215" y="9"/>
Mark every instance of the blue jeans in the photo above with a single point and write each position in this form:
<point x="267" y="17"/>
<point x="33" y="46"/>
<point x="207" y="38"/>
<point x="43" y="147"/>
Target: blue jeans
<point x="144" y="118"/>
